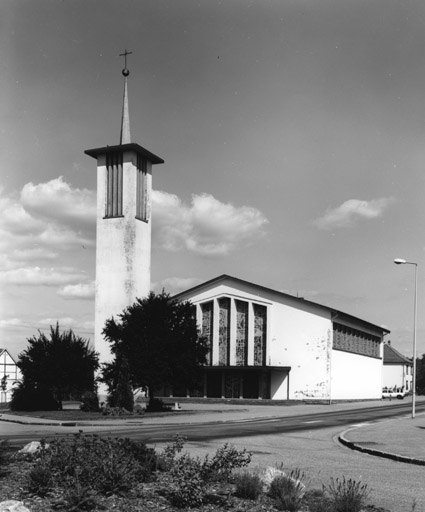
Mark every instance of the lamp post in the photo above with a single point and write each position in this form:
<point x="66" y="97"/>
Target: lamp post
<point x="399" y="261"/>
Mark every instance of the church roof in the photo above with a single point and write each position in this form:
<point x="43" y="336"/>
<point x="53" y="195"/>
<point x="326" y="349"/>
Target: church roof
<point x="393" y="356"/>
<point x="236" y="281"/>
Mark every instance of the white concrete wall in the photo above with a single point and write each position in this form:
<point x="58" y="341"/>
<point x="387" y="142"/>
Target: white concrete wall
<point x="123" y="252"/>
<point x="395" y="375"/>
<point x="355" y="377"/>
<point x="279" y="386"/>
<point x="301" y="339"/>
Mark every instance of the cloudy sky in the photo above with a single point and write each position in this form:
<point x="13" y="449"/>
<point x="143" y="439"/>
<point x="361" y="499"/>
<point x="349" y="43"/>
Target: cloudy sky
<point x="293" y="134"/>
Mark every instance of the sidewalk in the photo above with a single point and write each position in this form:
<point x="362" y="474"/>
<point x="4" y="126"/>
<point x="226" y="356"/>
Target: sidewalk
<point x="401" y="439"/>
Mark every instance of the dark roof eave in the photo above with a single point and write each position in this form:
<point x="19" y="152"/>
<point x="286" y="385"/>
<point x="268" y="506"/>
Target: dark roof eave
<point x="132" y="146"/>
<point x="247" y="368"/>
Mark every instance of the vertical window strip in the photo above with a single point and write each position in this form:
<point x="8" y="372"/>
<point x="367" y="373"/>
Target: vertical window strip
<point x="241" y="333"/>
<point x="260" y="334"/>
<point x="114" y="185"/>
<point x="142" y="189"/>
<point x="207" y="328"/>
<point x="224" y="331"/>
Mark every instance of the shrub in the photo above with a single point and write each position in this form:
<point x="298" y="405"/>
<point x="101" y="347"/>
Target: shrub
<point x="188" y="485"/>
<point x="287" y="490"/>
<point x="115" y="411"/>
<point x="318" y="501"/>
<point x="189" y="476"/>
<point x="78" y="498"/>
<point x="248" y="486"/>
<point x="107" y="465"/>
<point x="40" y="479"/>
<point x="4" y="456"/>
<point x="157" y="405"/>
<point x="25" y="398"/>
<point x="221" y="466"/>
<point x="347" y="495"/>
<point x="90" y="402"/>
<point x="168" y="456"/>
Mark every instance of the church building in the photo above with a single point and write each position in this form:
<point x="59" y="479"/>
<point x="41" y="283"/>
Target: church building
<point x="268" y="344"/>
<point x="263" y="344"/>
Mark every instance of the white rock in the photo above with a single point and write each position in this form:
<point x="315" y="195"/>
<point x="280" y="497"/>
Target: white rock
<point x="270" y="473"/>
<point x="32" y="448"/>
<point x="13" y="506"/>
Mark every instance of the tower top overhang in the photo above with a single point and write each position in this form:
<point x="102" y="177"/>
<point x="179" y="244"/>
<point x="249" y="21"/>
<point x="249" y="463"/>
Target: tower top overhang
<point x="132" y="146"/>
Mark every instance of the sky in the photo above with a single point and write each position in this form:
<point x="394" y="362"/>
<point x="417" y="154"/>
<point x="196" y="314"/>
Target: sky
<point x="293" y="134"/>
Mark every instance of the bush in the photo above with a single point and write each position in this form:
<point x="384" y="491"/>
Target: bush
<point x="90" y="402"/>
<point x="288" y="490"/>
<point x="4" y="457"/>
<point x="25" y="398"/>
<point x="347" y="495"/>
<point x="77" y="499"/>
<point x="189" y="476"/>
<point x="115" y="411"/>
<point x="318" y="501"/>
<point x="189" y="490"/>
<point x="40" y="479"/>
<point x="157" y="405"/>
<point x="221" y="466"/>
<point x="109" y="466"/>
<point x="248" y="486"/>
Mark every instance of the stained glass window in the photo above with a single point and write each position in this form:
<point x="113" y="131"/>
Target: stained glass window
<point x="224" y="331"/>
<point x="207" y="327"/>
<point x="260" y="333"/>
<point x="241" y="333"/>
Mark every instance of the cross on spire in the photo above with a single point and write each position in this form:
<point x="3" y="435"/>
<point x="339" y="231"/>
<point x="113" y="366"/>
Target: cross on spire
<point x="125" y="119"/>
<point x="125" y="71"/>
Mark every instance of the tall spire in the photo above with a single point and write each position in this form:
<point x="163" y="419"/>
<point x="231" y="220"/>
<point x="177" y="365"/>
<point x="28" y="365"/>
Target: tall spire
<point x="125" y="137"/>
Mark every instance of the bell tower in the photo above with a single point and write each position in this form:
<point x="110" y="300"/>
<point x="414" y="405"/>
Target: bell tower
<point x="123" y="224"/>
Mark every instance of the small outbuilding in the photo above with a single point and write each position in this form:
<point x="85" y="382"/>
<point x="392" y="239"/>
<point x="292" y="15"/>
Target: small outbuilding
<point x="266" y="344"/>
<point x="398" y="370"/>
<point x="9" y="375"/>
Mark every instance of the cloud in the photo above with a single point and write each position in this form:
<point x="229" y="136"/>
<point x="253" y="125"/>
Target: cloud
<point x="78" y="291"/>
<point x="351" y="211"/>
<point x="207" y="226"/>
<point x="35" y="253"/>
<point x="13" y="322"/>
<point x="173" y="285"/>
<point x="65" y="323"/>
<point x="38" y="276"/>
<point x="39" y="224"/>
<point x="57" y="201"/>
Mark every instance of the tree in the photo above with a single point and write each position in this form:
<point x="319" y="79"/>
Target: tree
<point x="120" y="391"/>
<point x="62" y="364"/>
<point x="420" y="375"/>
<point x="159" y="339"/>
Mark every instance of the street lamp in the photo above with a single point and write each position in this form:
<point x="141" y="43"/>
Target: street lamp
<point x="399" y="261"/>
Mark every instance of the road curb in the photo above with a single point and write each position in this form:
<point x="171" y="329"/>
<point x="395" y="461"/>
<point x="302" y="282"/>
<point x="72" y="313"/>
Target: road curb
<point x="56" y="423"/>
<point x="377" y="453"/>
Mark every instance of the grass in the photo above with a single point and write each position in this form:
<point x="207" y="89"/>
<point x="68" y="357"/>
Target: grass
<point x="77" y="415"/>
